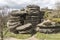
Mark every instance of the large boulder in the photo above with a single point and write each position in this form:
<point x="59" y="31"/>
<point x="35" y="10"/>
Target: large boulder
<point x="25" y="20"/>
<point x="48" y="26"/>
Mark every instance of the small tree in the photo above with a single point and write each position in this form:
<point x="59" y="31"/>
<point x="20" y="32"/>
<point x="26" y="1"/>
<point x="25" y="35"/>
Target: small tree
<point x="3" y="20"/>
<point x="1" y="26"/>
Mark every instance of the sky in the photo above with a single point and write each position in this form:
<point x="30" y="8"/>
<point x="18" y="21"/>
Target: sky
<point x="23" y="3"/>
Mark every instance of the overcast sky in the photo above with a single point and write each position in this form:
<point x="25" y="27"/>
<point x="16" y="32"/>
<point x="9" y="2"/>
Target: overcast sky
<point x="22" y="3"/>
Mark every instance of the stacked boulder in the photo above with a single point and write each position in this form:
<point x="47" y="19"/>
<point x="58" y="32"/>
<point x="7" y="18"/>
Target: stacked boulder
<point x="16" y="22"/>
<point x="25" y="20"/>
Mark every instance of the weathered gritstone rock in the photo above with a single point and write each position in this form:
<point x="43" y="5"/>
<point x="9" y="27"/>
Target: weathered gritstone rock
<point x="48" y="27"/>
<point x="13" y="25"/>
<point x="29" y="20"/>
<point x="24" y="26"/>
<point x="24" y="20"/>
<point x="26" y="31"/>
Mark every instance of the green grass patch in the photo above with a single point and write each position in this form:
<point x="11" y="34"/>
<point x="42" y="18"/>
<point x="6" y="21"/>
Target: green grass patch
<point x="19" y="36"/>
<point x="56" y="19"/>
<point x="38" y="36"/>
<point x="7" y="34"/>
<point x="48" y="36"/>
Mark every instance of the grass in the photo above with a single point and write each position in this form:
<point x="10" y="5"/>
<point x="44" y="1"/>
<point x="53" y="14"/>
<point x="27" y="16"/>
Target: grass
<point x="38" y="36"/>
<point x="56" y="19"/>
<point x="19" y="36"/>
<point x="48" y="36"/>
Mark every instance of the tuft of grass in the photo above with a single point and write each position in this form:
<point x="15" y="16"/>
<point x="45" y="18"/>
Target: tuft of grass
<point x="56" y="19"/>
